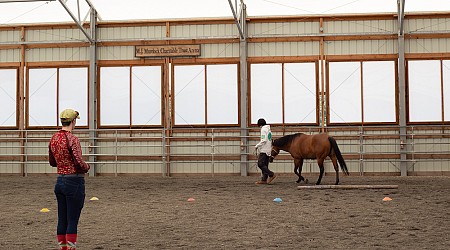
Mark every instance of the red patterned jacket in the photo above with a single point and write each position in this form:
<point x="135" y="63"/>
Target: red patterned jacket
<point x="59" y="156"/>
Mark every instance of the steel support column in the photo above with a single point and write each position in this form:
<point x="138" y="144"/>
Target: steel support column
<point x="93" y="93"/>
<point x="92" y="102"/>
<point x="243" y="49"/>
<point x="402" y="89"/>
<point x="241" y="23"/>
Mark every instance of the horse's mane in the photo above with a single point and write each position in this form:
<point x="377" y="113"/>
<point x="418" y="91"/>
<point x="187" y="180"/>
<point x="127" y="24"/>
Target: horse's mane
<point x="282" y="141"/>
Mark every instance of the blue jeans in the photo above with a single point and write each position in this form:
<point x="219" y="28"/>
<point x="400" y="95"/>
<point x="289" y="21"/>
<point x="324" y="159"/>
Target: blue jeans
<point x="70" y="194"/>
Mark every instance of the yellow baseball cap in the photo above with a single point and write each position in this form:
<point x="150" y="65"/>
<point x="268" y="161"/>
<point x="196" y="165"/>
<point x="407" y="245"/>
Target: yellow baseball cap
<point x="69" y="115"/>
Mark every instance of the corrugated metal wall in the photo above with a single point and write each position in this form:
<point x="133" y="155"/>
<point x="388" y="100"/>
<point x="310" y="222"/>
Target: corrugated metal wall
<point x="9" y="35"/>
<point x="256" y="49"/>
<point x="204" y="31"/>
<point x="283" y="49"/>
<point x="358" y="36"/>
<point x="11" y="55"/>
<point x="361" y="47"/>
<point x="427" y="24"/>
<point x="57" y="54"/>
<point x="338" y="26"/>
<point x="131" y="33"/>
<point x="283" y="28"/>
<point x="52" y="35"/>
<point x="196" y="153"/>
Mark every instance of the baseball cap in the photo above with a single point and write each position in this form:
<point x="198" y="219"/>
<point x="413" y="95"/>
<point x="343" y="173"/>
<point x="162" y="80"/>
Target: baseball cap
<point x="69" y="115"/>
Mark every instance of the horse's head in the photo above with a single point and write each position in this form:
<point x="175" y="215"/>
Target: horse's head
<point x="275" y="151"/>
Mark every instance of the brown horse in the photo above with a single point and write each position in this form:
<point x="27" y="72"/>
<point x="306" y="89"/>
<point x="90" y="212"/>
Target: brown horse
<point x="301" y="146"/>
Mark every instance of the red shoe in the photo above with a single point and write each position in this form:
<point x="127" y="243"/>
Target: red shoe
<point x="271" y="179"/>
<point x="261" y="182"/>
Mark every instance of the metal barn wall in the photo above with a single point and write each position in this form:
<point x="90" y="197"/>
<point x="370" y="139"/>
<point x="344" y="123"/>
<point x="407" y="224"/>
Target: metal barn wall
<point x="125" y="152"/>
<point x="8" y="56"/>
<point x="283" y="49"/>
<point x="337" y="26"/>
<point x="428" y="45"/>
<point x="52" y="35"/>
<point x="361" y="47"/>
<point x="116" y="53"/>
<point x="69" y="37"/>
<point x="256" y="49"/>
<point x="131" y="33"/>
<point x="367" y="151"/>
<point x="421" y="26"/>
<point x="9" y="35"/>
<point x="270" y="39"/>
<point x="204" y="31"/>
<point x="10" y="147"/>
<point x="425" y="146"/>
<point x="58" y="54"/>
<point x="283" y="28"/>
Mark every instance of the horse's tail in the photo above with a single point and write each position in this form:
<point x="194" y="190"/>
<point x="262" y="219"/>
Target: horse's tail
<point x="338" y="155"/>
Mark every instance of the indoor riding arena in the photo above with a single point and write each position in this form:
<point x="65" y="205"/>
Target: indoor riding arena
<point x="169" y="111"/>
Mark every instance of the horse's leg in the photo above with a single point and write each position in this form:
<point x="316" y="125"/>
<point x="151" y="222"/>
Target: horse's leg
<point x="298" y="164"/>
<point x="322" y="169"/>
<point x="336" y="167"/>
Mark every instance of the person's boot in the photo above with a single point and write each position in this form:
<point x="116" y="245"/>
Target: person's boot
<point x="62" y="242"/>
<point x="260" y="182"/>
<point x="71" y="241"/>
<point x="271" y="178"/>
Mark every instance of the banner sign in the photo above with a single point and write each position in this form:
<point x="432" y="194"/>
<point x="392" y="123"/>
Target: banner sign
<point x="167" y="50"/>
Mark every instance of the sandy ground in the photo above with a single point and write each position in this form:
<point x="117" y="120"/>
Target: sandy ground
<point x="232" y="213"/>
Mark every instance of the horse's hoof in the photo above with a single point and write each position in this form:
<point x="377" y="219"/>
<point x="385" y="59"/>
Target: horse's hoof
<point x="297" y="181"/>
<point x="306" y="181"/>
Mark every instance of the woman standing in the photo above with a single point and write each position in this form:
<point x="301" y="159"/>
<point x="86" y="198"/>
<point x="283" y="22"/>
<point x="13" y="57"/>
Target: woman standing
<point x="65" y="154"/>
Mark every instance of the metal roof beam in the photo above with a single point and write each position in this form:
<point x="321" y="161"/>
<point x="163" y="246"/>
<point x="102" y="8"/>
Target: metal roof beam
<point x="401" y="15"/>
<point x="77" y="20"/>
<point x="238" y="24"/>
<point x="23" y="1"/>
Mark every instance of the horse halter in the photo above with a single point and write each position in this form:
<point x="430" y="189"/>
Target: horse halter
<point x="273" y="153"/>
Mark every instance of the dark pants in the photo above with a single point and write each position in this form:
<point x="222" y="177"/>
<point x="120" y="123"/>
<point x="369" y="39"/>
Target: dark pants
<point x="70" y="194"/>
<point x="263" y="164"/>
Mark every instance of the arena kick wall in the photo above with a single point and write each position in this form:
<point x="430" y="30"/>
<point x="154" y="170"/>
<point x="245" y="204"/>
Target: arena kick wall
<point x="367" y="151"/>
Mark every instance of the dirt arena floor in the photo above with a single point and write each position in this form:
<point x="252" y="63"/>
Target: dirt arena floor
<point x="232" y="213"/>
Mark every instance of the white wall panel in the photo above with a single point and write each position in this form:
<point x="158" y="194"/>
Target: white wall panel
<point x="9" y="55"/>
<point x="189" y="168"/>
<point x="284" y="28"/>
<point x="203" y="31"/>
<point x="10" y="36"/>
<point x="361" y="47"/>
<point x="9" y="149"/>
<point x="117" y="53"/>
<point x="368" y="26"/>
<point x="57" y="54"/>
<point x="8" y="168"/>
<point x="440" y="45"/>
<point x="427" y="25"/>
<point x="283" y="49"/>
<point x="138" y="168"/>
<point x="219" y="50"/>
<point x="391" y="166"/>
<point x="430" y="166"/>
<point x="51" y="35"/>
<point x="140" y="32"/>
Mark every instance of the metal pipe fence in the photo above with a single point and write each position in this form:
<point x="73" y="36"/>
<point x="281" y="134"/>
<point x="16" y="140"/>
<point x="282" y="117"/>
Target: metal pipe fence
<point x="218" y="151"/>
